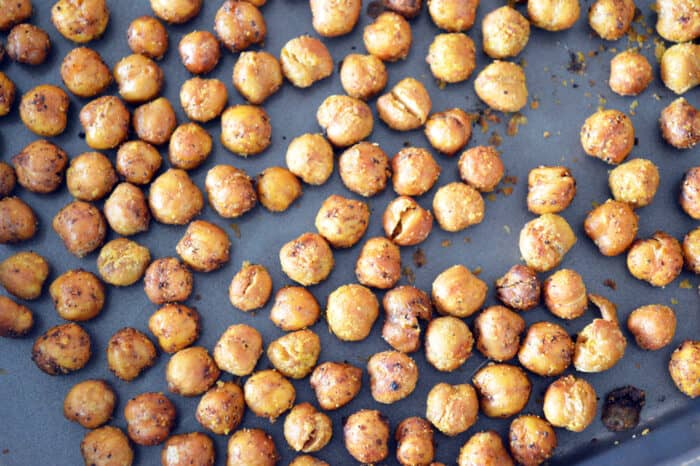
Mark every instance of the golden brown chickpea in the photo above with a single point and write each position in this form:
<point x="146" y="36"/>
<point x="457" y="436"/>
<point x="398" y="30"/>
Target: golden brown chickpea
<point x="503" y="390"/>
<point x="307" y="259"/>
<point x="238" y="349"/>
<point x="458" y="292"/>
<point x="203" y="99"/>
<point x="256" y="76"/>
<point x="532" y="440"/>
<point x="81" y="226"/>
<point x="15" y="320"/>
<point x="334" y="18"/>
<point x="379" y="263"/>
<point x="452" y="409"/>
<point x="105" y="122"/>
<point x="364" y="169"/>
<point x="310" y="157"/>
<point x="634" y="182"/>
<point x="245" y="129"/>
<point x="8" y="179"/>
<point x="147" y="36"/>
<point x="341" y="221"/>
<point x="305" y="60"/>
<point x="484" y="449"/>
<point x="7" y="94"/>
<point x="199" y="51"/>
<point x="28" y="44"/>
<point x="452" y="57"/>
<point x="62" y="349"/>
<point x="570" y="403"/>
<point x="295" y="354"/>
<point x="191" y="371"/>
<point x="307" y="429"/>
<point x="679" y="123"/>
<point x="415" y="171"/>
<point x="126" y="210"/>
<point x="502" y="86"/>
<point x="550" y="189"/>
<point x="77" y="295"/>
<point x="691" y="251"/>
<point x="307" y="460"/>
<point x="155" y="121"/>
<point x="80" y="20"/>
<point x="89" y="403"/>
<point x="193" y="449"/>
<point x="393" y="376"/>
<point x="174" y="199"/>
<point x="388" y="37"/>
<point x="189" y="147"/>
<point x="481" y="167"/>
<point x="167" y="280"/>
<point x="657" y="260"/>
<point x="630" y="71"/>
<point x="599" y="346"/>
<point x="498" y="331"/>
<point x="545" y="240"/>
<point x="678" y="20"/>
<point x="611" y="19"/>
<point x="39" y="167"/>
<point x="335" y="384"/>
<point x="204" y="247"/>
<point x="612" y="226"/>
<point x="366" y="435"/>
<point x="653" y="326"/>
<point x="414" y="442"/>
<point x="23" y="274"/>
<point x="404" y="305"/>
<point x="546" y="349"/>
<point x="295" y="308"/>
<point x="175" y="326"/>
<point x="505" y="32"/>
<point x="689" y="198"/>
<point x="176" y="11"/>
<point x="351" y="312"/>
<point x="18" y="221"/>
<point x="453" y="15"/>
<point x="129" y="353"/>
<point x="277" y="188"/>
<point x="407" y="8"/>
<point x="14" y="13"/>
<point x="220" y="410"/>
<point x="406" y="107"/>
<point x="239" y="25"/>
<point x="106" y="446"/>
<point x="448" y="343"/>
<point x="122" y="262"/>
<point x="565" y="294"/>
<point x="363" y="76"/>
<point x="345" y="120"/>
<point x="44" y="110"/>
<point x="250" y="288"/>
<point x="448" y="131"/>
<point x="90" y="176"/>
<point x="268" y="394"/>
<point x="608" y="135"/>
<point x="149" y="417"/>
<point x="251" y="447"/>
<point x="519" y="288"/>
<point x="553" y="15"/>
<point x="608" y="309"/>
<point x="139" y="78"/>
<point x="405" y="222"/>
<point x="84" y="72"/>
<point x="684" y="368"/>
<point x="230" y="191"/>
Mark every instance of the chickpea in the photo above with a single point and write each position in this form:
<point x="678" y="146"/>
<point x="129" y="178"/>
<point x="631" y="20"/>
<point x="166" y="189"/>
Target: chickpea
<point x="129" y="353"/>
<point x="678" y="20"/>
<point x="238" y="349"/>
<point x="335" y="384"/>
<point x="204" y="247"/>
<point x="689" y="198"/>
<point x="149" y="417"/>
<point x="268" y="394"/>
<point x="608" y="310"/>
<point x="611" y="19"/>
<point x="379" y="263"/>
<point x="364" y="169"/>
<point x="203" y="99"/>
<point x="407" y="8"/>
<point x="599" y="346"/>
<point x="245" y="129"/>
<point x="251" y="287"/>
<point x="406" y="107"/>
<point x="230" y="191"/>
<point x="105" y="121"/>
<point x="415" y="171"/>
<point x="126" y="210"/>
<point x="175" y="326"/>
<point x="89" y="403"/>
<point x="680" y="124"/>
<point x="452" y="57"/>
<point x="81" y="227"/>
<point x="310" y="157"/>
<point x="44" y="110"/>
<point x="39" y="167"/>
<point x="256" y="76"/>
<point x="366" y="435"/>
<point x="167" y="280"/>
<point x="565" y="294"/>
<point x="174" y="199"/>
<point x="307" y="259"/>
<point x="532" y="440"/>
<point x="448" y="343"/>
<point x="18" y="221"/>
<point x="634" y="182"/>
<point x="137" y="162"/>
<point x="220" y="410"/>
<point x="498" y="331"/>
<point x="546" y="349"/>
<point x="684" y="368"/>
<point x="189" y="146"/>
<point x="14" y="13"/>
<point x="393" y="376"/>
<point x="139" y="78"/>
<point x="335" y="18"/>
<point x="388" y="37"/>
<point x="251" y="446"/>
<point x="239" y="25"/>
<point x="307" y="460"/>
<point x="452" y="409"/>
<point x="612" y="226"/>
<point x="502" y="86"/>
<point x="90" y="176"/>
<point x="193" y="449"/>
<point x="414" y="439"/>
<point x="305" y="60"/>
<point x="307" y="429"/>
<point x="84" y="72"/>
<point x="691" y="251"/>
<point x="453" y="15"/>
<point x="62" y="349"/>
<point x="458" y="292"/>
<point x="191" y="371"/>
<point x="553" y="15"/>
<point x="519" y="288"/>
<point x="106" y="446"/>
<point x="657" y="260"/>
<point x="123" y="262"/>
<point x="405" y="222"/>
<point x="8" y="179"/>
<point x="345" y="120"/>
<point x="503" y="390"/>
<point x="15" y="320"/>
<point x="341" y="221"/>
<point x="484" y="449"/>
<point x="80" y="21"/>
<point x="363" y="76"/>
<point x="505" y="32"/>
<point x="155" y="121"/>
<point x="294" y="308"/>
<point x="28" y="44"/>
<point x="351" y="312"/>
<point x="278" y="188"/>
<point x="199" y="51"/>
<point x="570" y="403"/>
<point x="448" y="131"/>
<point x="295" y="354"/>
<point x="481" y="167"/>
<point x="630" y="71"/>
<point x="653" y="326"/>
<point x="680" y="69"/>
<point x="7" y="94"/>
<point x="77" y="295"/>
<point x="550" y="189"/>
<point x="404" y="305"/>
<point x="176" y="11"/>
<point x="147" y="36"/>
<point x="545" y="240"/>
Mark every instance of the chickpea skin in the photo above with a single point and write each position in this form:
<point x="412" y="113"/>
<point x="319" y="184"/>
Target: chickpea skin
<point x="176" y="11"/>
<point x="15" y="320"/>
<point x="62" y="349"/>
<point x="14" y="13"/>
<point x="448" y="131"/>
<point x="657" y="260"/>
<point x="388" y="37"/>
<point x="680" y="124"/>
<point x="608" y="135"/>
<point x="630" y="73"/>
<point x="122" y="262"/>
<point x="89" y="403"/>
<point x="335" y="384"/>
<point x="18" y="222"/>
<point x="611" y="19"/>
<point x="191" y="371"/>
<point x="80" y="21"/>
<point x="90" y="176"/>
<point x="175" y="326"/>
<point x="189" y="146"/>
<point x="193" y="449"/>
<point x="456" y="291"/>
<point x="484" y="449"/>
<point x="684" y="368"/>
<point x="550" y="190"/>
<point x="40" y="167"/>
<point x="129" y="353"/>
<point x="139" y="78"/>
<point x="452" y="409"/>
<point x="220" y="410"/>
<point x="155" y="121"/>
<point x="502" y="86"/>
<point x="238" y="350"/>
<point x="519" y="288"/>
<point x="505" y="32"/>
<point x="689" y="198"/>
<point x="653" y="326"/>
<point x="106" y="446"/>
<point x="7" y="94"/>
<point x="414" y="442"/>
<point x="77" y="295"/>
<point x="167" y="280"/>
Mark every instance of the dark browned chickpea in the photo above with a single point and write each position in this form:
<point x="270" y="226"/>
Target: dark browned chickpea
<point x="452" y="409"/>
<point x="238" y="349"/>
<point x="167" y="280"/>
<point x="295" y="308"/>
<point x="630" y="71"/>
<point x="90" y="176"/>
<point x="366" y="435"/>
<point x="550" y="190"/>
<point x="341" y="221"/>
<point x="15" y="320"/>
<point x="612" y="226"/>
<point x="415" y="171"/>
<point x="62" y="349"/>
<point x="565" y="294"/>
<point x="268" y="394"/>
<point x="406" y="106"/>
<point x="28" y="44"/>
<point x="405" y="222"/>
<point x="23" y="274"/>
<point x="351" y="312"/>
<point x="448" y="131"/>
<point x="448" y="343"/>
<point x="220" y="410"/>
<point x="191" y="371"/>
<point x="251" y="446"/>
<point x="691" y="251"/>
<point x="129" y="353"/>
<point x="256" y="76"/>
<point x="678" y="20"/>
<point x="689" y="198"/>
<point x="305" y="60"/>
<point x="189" y="147"/>
<point x="126" y="210"/>
<point x="106" y="446"/>
<point x="608" y="135"/>
<point x="122" y="262"/>
<point x="245" y="129"/>
<point x="77" y="295"/>
<point x="278" y="188"/>
<point x="44" y="110"/>
<point x="532" y="440"/>
<point x="653" y="326"/>
<point x="204" y="247"/>
<point x="18" y="221"/>
<point x="481" y="167"/>
<point x="7" y="94"/>
<point x="230" y="191"/>
<point x="404" y="305"/>
<point x="40" y="166"/>
<point x="634" y="182"/>
<point x="679" y="123"/>
<point x="295" y="354"/>
<point x="307" y="429"/>
<point x="174" y="199"/>
<point x="310" y="157"/>
<point x="685" y="368"/>
<point x="176" y="11"/>
<point x="14" y="13"/>
<point x="505" y="32"/>
<point x="484" y="449"/>
<point x="80" y="20"/>
<point x="406" y="8"/>
<point x="414" y="442"/>
<point x="393" y="376"/>
<point x="139" y="78"/>
<point x="379" y="263"/>
<point x="611" y="19"/>
<point x="453" y="15"/>
<point x="657" y="260"/>
<point x="362" y="76"/>
<point x="193" y="449"/>
<point x="452" y="57"/>
<point x="679" y="68"/>
<point x="199" y="51"/>
<point x="84" y="72"/>
<point x="458" y="292"/>
<point x="388" y="37"/>
<point x="81" y="226"/>
<point x="175" y="326"/>
<point x="149" y="417"/>
<point x="502" y="86"/>
<point x="553" y="15"/>
<point x="599" y="346"/>
<point x="545" y="241"/>
<point x="89" y="403"/>
<point x="498" y="331"/>
<point x="203" y="99"/>
<point x="458" y="206"/>
<point x="346" y="120"/>
<point x="336" y="18"/>
<point x="251" y="287"/>
<point x="239" y="25"/>
<point x="105" y="121"/>
<point x="155" y="121"/>
<point x="571" y="403"/>
<point x="307" y="259"/>
<point x="335" y="384"/>
<point x="546" y="349"/>
<point x="147" y="36"/>
<point x="503" y="389"/>
<point x="519" y="288"/>
<point x="8" y="179"/>
<point x="364" y="169"/>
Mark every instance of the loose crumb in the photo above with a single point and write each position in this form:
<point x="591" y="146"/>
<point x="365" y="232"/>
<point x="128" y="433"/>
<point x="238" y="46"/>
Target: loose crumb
<point x="467" y="240"/>
<point x="535" y="104"/>
<point x="546" y="134"/>
<point x="506" y="228"/>
<point x="236" y="230"/>
<point x="674" y="301"/>
<point x="495" y="139"/>
<point x="477" y="271"/>
<point x="685" y="285"/>
<point x="610" y="283"/>
<point x="645" y="431"/>
<point x="446" y="243"/>
<point x="491" y="197"/>
<point x="419" y="258"/>
<point x="410" y="276"/>
<point x="514" y="124"/>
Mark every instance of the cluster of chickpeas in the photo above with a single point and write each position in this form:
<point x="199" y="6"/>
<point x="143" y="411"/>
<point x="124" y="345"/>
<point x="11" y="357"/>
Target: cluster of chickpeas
<point x="497" y="390"/>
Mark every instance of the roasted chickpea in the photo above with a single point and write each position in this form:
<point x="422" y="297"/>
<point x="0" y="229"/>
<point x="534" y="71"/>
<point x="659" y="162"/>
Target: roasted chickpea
<point x="8" y="179"/>
<point x="139" y="78"/>
<point x="193" y="449"/>
<point x="203" y="99"/>
<point x="256" y="76"/>
<point x="23" y="274"/>
<point x="404" y="305"/>
<point x="608" y="135"/>
<point x="545" y="240"/>
<point x="519" y="288"/>
<point x="657" y="260"/>
<point x="295" y="308"/>
<point x="351" y="312"/>
<point x="335" y="18"/>
<point x="448" y="131"/>
<point x="239" y="25"/>
<point x="406" y="107"/>
<point x="414" y="439"/>
<point x="307" y="259"/>
<point x="230" y="191"/>
<point x="7" y="94"/>
<point x="44" y="110"/>
<point x="341" y="221"/>
<point x="106" y="446"/>
<point x="691" y="251"/>
<point x="653" y="326"/>
<point x="174" y="199"/>
<point x="295" y="354"/>
<point x="199" y="51"/>
<point x="502" y="86"/>
<point x="15" y="13"/>
<point x="678" y="20"/>
<point x="630" y="71"/>
<point x="175" y="326"/>
<point x="458" y="292"/>
<point x="484" y="449"/>
<point x="251" y="446"/>
<point x="84" y="72"/>
<point x="238" y="349"/>
<point x="608" y="309"/>
<point x="503" y="390"/>
<point x="40" y="166"/>
<point x="405" y="222"/>
<point x="147" y="36"/>
<point x="680" y="124"/>
<point x="689" y="198"/>
<point x="149" y="417"/>
<point x="553" y="15"/>
<point x="599" y="346"/>
<point x="310" y="157"/>
<point x="89" y="403"/>
<point x="532" y="440"/>
<point x="18" y="221"/>
<point x="250" y="288"/>
<point x="393" y="376"/>
<point x="15" y="320"/>
<point x="612" y="226"/>
<point x="634" y="182"/>
<point x="167" y="280"/>
<point x="305" y="60"/>
<point x="122" y="262"/>
<point x="245" y="129"/>
<point x="77" y="295"/>
<point x="448" y="343"/>
<point x="388" y="37"/>
<point x="346" y="120"/>
<point x="453" y="15"/>
<point x="105" y="121"/>
<point x="126" y="210"/>
<point x="307" y="429"/>
<point x="611" y="19"/>
<point x="379" y="263"/>
<point x="220" y="410"/>
<point x="191" y="371"/>
<point x="268" y="394"/>
<point x="364" y="169"/>
<point x="498" y="331"/>
<point x="481" y="167"/>
<point x="452" y="409"/>
<point x="684" y="368"/>
<point x="546" y="349"/>
<point x="366" y="435"/>
<point x="129" y="353"/>
<point x="189" y="147"/>
<point x="277" y="188"/>
<point x="176" y="11"/>
<point x="550" y="189"/>
<point x="505" y="32"/>
<point x="28" y="44"/>
<point x="90" y="176"/>
<point x="80" y="21"/>
<point x="204" y="247"/>
<point x="335" y="384"/>
<point x="570" y="403"/>
<point x="81" y="227"/>
<point x="362" y="76"/>
<point x="406" y="8"/>
<point x="155" y="121"/>
<point x="415" y="171"/>
<point x="62" y="349"/>
<point x="452" y="57"/>
<point x="565" y="294"/>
